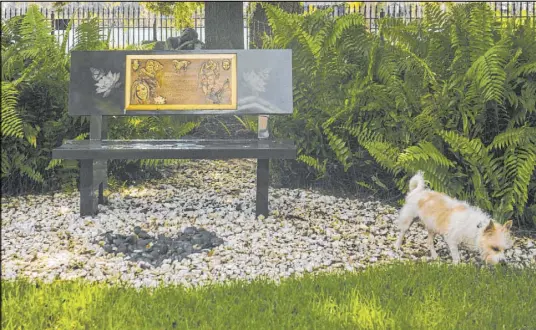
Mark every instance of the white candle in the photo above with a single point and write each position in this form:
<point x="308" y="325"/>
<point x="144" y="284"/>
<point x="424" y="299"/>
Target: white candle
<point x="263" y="132"/>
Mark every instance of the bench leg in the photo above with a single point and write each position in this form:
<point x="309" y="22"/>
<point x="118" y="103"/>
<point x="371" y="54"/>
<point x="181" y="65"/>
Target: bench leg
<point x="88" y="200"/>
<point x="263" y="177"/>
<point x="102" y="186"/>
<point x="103" y="181"/>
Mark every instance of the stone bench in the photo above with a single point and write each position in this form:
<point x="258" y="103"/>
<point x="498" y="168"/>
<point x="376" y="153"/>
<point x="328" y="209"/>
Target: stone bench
<point x="201" y="82"/>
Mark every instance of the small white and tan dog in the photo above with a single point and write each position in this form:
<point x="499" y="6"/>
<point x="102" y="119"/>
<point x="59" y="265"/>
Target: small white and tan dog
<point x="457" y="221"/>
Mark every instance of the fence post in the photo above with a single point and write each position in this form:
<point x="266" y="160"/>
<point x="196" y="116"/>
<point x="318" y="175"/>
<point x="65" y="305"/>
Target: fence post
<point x="52" y="22"/>
<point x="154" y="29"/>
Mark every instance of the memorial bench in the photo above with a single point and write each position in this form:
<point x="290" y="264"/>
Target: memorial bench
<point x="201" y="82"/>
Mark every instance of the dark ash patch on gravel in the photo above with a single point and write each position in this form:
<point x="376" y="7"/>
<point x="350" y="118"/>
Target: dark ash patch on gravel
<point x="140" y="246"/>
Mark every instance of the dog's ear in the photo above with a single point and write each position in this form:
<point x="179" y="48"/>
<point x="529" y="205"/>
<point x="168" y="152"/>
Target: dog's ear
<point x="490" y="228"/>
<point x="507" y="225"/>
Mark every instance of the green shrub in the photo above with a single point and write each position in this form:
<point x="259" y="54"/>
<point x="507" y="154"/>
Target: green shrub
<point x="35" y="71"/>
<point x="453" y="94"/>
<point x="35" y="79"/>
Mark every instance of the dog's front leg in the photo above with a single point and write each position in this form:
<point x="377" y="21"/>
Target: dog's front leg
<point x="454" y="252"/>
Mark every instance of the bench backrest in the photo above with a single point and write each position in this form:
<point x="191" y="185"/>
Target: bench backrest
<point x="105" y="83"/>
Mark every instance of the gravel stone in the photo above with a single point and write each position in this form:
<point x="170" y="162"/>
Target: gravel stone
<point x="197" y="225"/>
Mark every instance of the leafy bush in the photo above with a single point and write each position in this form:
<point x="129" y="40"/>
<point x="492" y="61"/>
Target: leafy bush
<point x="453" y="94"/>
<point x="35" y="79"/>
<point x="35" y="71"/>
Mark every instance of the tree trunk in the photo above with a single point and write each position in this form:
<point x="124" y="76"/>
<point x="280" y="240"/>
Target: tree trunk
<point x="258" y="24"/>
<point x="224" y="25"/>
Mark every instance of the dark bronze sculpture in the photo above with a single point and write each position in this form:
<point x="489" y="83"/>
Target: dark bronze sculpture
<point x="189" y="40"/>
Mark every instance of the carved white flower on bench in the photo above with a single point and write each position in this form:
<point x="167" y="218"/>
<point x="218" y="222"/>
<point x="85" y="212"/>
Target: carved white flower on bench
<point x="159" y="100"/>
<point x="105" y="82"/>
<point x="257" y="80"/>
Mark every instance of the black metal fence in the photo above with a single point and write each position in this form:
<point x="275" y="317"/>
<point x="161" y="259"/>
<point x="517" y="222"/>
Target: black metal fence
<point x="410" y="11"/>
<point x="131" y="24"/>
<point x="124" y="25"/>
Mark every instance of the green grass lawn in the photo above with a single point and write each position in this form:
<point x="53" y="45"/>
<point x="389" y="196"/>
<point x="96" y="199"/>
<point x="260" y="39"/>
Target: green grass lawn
<point x="398" y="296"/>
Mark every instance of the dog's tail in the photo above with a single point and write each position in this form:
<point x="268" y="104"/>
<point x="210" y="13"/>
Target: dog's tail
<point x="417" y="182"/>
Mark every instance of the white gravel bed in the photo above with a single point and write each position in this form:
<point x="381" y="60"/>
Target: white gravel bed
<point x="44" y="237"/>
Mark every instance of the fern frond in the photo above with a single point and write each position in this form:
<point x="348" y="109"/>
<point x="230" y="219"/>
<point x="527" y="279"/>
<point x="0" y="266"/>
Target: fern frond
<point x="479" y="160"/>
<point x="480" y="30"/>
<point x="53" y="164"/>
<point x="520" y="164"/>
<point x="30" y="133"/>
<point x="6" y="164"/>
<point x="363" y="134"/>
<point x="339" y="147"/>
<point x="424" y="151"/>
<point x="527" y="100"/>
<point x="11" y="122"/>
<point x="314" y="163"/>
<point x="526" y="69"/>
<point x="187" y="128"/>
<point x="81" y="136"/>
<point x="155" y="163"/>
<point x="427" y="158"/>
<point x="513" y="138"/>
<point x="35" y="30"/>
<point x="65" y="41"/>
<point x="343" y="24"/>
<point x="435" y="19"/>
<point x="27" y="170"/>
<point x="384" y="153"/>
<point x="31" y="173"/>
<point x="89" y="36"/>
<point x="488" y="73"/>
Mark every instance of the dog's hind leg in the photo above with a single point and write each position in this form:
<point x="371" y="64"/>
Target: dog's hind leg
<point x="431" y="236"/>
<point x="405" y="220"/>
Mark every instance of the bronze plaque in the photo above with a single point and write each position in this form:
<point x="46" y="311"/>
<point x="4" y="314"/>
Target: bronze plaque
<point x="180" y="82"/>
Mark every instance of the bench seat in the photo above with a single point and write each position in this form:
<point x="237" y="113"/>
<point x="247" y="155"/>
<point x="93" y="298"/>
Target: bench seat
<point x="175" y="149"/>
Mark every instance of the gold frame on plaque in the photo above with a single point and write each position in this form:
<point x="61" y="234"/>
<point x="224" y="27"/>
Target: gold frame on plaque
<point x="182" y="59"/>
